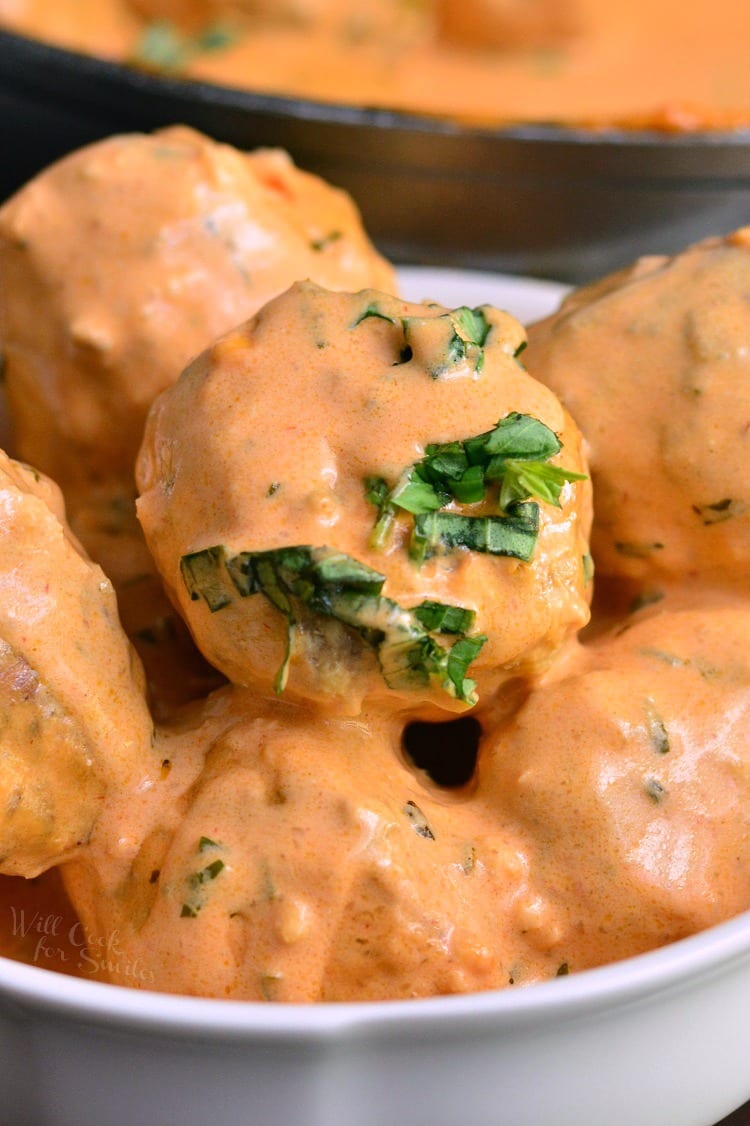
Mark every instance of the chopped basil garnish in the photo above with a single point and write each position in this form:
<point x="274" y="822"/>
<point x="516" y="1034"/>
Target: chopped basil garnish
<point x="440" y="343"/>
<point x="164" y="47"/>
<point x="410" y="645"/>
<point x="511" y="460"/>
<point x="192" y="906"/>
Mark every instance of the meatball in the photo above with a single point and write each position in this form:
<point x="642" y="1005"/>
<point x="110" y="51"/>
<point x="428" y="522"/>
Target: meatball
<point x="124" y="260"/>
<point x="355" y="497"/>
<point x="117" y="266"/>
<point x="629" y="779"/>
<point x="293" y="857"/>
<point x="71" y="694"/>
<point x="654" y="365"/>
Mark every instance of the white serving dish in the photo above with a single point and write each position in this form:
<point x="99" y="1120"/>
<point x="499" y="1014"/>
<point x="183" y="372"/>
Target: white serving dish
<point x="657" y="1040"/>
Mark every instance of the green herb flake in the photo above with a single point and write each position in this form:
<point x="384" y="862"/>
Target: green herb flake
<point x="718" y="512"/>
<point x="215" y="37"/>
<point x="587" y="566"/>
<point x="655" y="727"/>
<point x="418" y="821"/>
<point x="269" y="985"/>
<point x="204" y="577"/>
<point x="210" y="872"/>
<point x="563" y="970"/>
<point x="163" y="47"/>
<point x="323" y="243"/>
<point x="199" y="879"/>
<point x="655" y="790"/>
<point x="634" y="550"/>
<point x="644" y="599"/>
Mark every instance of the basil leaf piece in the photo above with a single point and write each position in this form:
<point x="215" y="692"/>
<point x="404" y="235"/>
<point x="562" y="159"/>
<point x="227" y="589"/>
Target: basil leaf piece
<point x="514" y="534"/>
<point x="461" y="654"/>
<point x="203" y="575"/>
<point x="373" y="310"/>
<point x="470" y="488"/>
<point x="512" y="460"/>
<point x="517" y="436"/>
<point x="522" y="480"/>
<point x="440" y="617"/>
<point x="301" y="580"/>
<point x="471" y="324"/>
<point x="414" y="494"/>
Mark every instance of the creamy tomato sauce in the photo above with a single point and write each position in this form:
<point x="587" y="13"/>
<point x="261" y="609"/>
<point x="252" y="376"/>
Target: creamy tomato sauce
<point x="669" y="65"/>
<point x="402" y="760"/>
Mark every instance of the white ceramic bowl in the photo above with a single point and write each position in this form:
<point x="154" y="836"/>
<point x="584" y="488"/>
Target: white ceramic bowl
<point x="657" y="1040"/>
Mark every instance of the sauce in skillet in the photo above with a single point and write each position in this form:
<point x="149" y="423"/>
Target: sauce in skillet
<point x="669" y="65"/>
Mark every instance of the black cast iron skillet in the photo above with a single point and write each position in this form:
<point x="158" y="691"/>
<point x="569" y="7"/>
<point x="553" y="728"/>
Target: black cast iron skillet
<point x="538" y="200"/>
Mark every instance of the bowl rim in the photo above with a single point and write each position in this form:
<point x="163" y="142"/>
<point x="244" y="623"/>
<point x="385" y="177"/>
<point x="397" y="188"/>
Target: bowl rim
<point x="643" y="977"/>
<point x="37" y="53"/>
